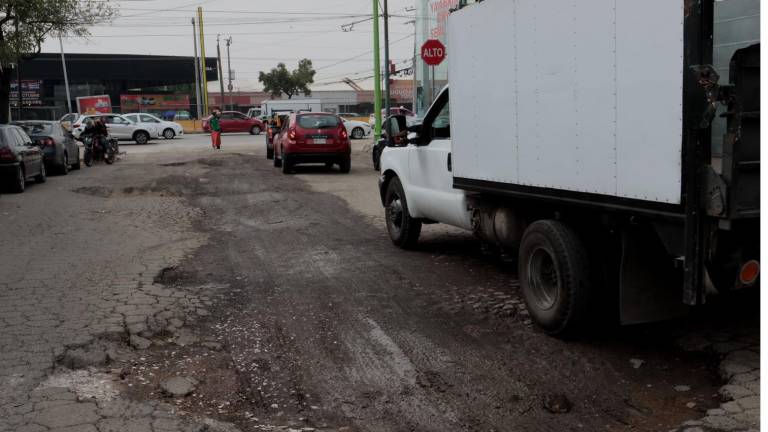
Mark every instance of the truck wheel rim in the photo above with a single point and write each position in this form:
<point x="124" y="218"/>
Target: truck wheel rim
<point x="396" y="213"/>
<point x="543" y="279"/>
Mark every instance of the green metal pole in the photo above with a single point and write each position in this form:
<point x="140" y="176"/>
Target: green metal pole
<point x="376" y="71"/>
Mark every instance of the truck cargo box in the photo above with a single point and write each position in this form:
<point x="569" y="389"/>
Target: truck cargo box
<point x="589" y="100"/>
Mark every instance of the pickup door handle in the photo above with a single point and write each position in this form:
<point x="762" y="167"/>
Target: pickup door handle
<point x="450" y="165"/>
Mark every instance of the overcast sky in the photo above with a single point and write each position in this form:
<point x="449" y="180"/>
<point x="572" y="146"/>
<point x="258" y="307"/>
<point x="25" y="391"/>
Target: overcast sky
<point x="264" y="32"/>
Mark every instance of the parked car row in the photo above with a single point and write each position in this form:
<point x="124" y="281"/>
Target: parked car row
<point x="30" y="149"/>
<point x="309" y="138"/>
<point x="138" y="127"/>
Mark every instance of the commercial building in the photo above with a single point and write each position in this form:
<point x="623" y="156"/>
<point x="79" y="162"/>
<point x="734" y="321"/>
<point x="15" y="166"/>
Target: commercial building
<point x="157" y="84"/>
<point x="335" y="101"/>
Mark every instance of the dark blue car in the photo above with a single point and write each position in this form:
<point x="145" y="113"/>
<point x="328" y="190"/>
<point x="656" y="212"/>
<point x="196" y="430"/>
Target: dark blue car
<point x="59" y="147"/>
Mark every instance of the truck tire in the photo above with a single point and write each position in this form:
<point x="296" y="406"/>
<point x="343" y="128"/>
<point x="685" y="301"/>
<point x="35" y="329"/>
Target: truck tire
<point x="554" y="276"/>
<point x="403" y="230"/>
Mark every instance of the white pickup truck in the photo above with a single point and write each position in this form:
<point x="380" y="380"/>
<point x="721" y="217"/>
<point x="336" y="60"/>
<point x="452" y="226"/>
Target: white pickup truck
<point x="577" y="139"/>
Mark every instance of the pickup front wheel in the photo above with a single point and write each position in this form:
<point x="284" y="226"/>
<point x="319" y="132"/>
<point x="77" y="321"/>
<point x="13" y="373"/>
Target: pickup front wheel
<point x="403" y="229"/>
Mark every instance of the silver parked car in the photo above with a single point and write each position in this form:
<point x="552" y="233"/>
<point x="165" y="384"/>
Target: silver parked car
<point x="165" y="129"/>
<point x="119" y="127"/>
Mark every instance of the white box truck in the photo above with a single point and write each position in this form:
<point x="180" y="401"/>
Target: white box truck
<point x="271" y="106"/>
<point x="577" y="139"/>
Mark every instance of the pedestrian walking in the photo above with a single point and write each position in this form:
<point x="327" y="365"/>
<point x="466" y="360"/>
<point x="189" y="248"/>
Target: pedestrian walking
<point x="216" y="129"/>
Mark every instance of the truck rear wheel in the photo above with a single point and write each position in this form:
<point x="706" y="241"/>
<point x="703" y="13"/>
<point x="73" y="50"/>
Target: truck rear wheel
<point x="403" y="229"/>
<point x="554" y="276"/>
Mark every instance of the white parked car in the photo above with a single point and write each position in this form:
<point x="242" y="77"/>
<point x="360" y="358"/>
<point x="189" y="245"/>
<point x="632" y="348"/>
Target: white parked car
<point x="119" y="127"/>
<point x="165" y="129"/>
<point x="357" y="129"/>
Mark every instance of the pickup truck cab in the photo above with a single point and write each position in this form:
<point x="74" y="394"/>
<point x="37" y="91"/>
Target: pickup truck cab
<point x="416" y="183"/>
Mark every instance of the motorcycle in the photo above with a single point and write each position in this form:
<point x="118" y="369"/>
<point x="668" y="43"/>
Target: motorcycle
<point x="95" y="150"/>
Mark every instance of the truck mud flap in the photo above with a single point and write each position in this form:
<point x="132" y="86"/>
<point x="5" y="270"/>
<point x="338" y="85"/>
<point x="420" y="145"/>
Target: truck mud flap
<point x="650" y="283"/>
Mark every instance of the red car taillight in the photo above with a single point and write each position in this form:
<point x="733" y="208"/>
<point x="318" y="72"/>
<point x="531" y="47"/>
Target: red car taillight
<point x="343" y="132"/>
<point x="76" y="125"/>
<point x="292" y="134"/>
<point x="7" y="155"/>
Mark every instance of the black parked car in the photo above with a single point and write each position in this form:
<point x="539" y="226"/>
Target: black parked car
<point x="20" y="158"/>
<point x="59" y="147"/>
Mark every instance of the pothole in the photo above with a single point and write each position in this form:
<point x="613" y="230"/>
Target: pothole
<point x="85" y="383"/>
<point x="98" y="191"/>
<point x="211" y="162"/>
<point x="170" y="276"/>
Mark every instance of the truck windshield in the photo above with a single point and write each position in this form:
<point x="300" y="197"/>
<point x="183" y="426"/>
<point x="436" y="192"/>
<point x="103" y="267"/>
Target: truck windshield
<point x="318" y="121"/>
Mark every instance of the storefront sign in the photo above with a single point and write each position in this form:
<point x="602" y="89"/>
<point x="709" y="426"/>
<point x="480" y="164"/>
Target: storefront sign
<point x="30" y="93"/>
<point x="440" y="10"/>
<point x="94" y="104"/>
<point x="154" y="103"/>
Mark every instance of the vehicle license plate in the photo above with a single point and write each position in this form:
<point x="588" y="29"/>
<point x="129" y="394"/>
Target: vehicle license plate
<point x="319" y="141"/>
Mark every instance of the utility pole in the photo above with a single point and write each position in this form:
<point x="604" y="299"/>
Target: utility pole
<point x="204" y="77"/>
<point x="386" y="60"/>
<point x="221" y="72"/>
<point x="376" y="71"/>
<point x="18" y="74"/>
<point x="66" y="77"/>
<point x="229" y="74"/>
<point x="198" y="108"/>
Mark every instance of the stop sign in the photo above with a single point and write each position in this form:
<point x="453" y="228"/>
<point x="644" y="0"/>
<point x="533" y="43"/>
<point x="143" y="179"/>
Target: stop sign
<point x="433" y="52"/>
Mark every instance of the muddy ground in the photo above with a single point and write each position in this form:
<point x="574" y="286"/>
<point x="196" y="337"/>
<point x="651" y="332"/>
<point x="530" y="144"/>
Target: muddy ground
<point x="297" y="313"/>
<point x="325" y="324"/>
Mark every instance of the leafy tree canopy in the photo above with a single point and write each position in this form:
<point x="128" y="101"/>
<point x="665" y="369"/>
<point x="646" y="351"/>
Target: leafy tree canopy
<point x="280" y="81"/>
<point x="25" y="24"/>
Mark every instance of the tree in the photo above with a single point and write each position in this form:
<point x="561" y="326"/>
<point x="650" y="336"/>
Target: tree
<point x="25" y="24"/>
<point x="279" y="80"/>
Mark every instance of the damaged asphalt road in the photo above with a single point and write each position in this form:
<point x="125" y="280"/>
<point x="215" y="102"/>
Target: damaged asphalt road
<point x="286" y="308"/>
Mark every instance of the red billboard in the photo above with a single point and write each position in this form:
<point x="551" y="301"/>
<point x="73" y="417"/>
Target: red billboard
<point x="94" y="104"/>
<point x="152" y="103"/>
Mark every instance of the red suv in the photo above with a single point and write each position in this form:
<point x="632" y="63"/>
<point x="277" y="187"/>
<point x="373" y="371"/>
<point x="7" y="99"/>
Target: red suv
<point x="233" y="121"/>
<point x="312" y="138"/>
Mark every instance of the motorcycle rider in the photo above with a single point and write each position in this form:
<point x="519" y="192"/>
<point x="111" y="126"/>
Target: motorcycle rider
<point x="97" y="130"/>
<point x="94" y="128"/>
<point x="102" y="133"/>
